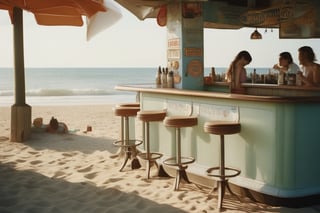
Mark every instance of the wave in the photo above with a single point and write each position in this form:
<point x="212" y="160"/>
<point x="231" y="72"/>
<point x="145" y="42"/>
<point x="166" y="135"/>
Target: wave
<point x="65" y="92"/>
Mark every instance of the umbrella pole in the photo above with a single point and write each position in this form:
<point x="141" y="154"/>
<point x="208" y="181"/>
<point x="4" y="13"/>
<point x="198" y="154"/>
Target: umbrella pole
<point x="20" y="111"/>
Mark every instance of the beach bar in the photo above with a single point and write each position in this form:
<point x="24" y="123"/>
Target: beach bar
<point x="277" y="149"/>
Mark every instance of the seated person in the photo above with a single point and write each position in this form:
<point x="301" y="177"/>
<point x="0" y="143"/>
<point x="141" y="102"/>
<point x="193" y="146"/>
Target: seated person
<point x="236" y="73"/>
<point x="56" y="127"/>
<point x="286" y="64"/>
<point x="310" y="75"/>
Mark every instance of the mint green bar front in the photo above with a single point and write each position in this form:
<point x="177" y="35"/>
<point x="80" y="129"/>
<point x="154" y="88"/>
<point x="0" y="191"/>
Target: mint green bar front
<point x="277" y="149"/>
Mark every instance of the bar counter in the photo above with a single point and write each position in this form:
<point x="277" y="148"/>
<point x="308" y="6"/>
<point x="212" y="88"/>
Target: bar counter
<point x="277" y="149"/>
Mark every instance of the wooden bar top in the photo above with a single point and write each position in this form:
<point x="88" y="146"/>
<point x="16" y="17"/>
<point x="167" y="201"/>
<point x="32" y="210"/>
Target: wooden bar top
<point x="151" y="88"/>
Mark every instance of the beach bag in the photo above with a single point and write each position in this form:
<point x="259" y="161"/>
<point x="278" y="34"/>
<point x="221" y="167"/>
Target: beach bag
<point x="37" y="122"/>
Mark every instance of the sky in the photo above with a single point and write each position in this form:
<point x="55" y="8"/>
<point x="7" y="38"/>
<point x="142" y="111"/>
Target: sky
<point x="134" y="43"/>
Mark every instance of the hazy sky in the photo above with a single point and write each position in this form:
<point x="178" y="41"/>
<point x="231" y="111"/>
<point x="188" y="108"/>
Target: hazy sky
<point x="134" y="43"/>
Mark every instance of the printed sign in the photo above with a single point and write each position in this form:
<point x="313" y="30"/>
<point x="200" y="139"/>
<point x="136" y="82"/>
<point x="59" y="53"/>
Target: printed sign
<point x="175" y="107"/>
<point x="174" y="43"/>
<point x="219" y="112"/>
<point x="306" y="26"/>
<point x="191" y="51"/>
<point x="195" y="68"/>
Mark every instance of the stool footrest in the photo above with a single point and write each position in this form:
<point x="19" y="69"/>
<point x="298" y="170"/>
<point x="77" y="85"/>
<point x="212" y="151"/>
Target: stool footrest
<point x="152" y="156"/>
<point x="131" y="143"/>
<point x="229" y="172"/>
<point x="173" y="161"/>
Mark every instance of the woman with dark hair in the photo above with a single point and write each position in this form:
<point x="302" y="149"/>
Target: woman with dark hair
<point x="236" y="73"/>
<point x="286" y="64"/>
<point x="310" y="75"/>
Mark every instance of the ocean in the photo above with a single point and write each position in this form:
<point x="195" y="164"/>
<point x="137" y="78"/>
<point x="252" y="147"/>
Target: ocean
<point x="79" y="86"/>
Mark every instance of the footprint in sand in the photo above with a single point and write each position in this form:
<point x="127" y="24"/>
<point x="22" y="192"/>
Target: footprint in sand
<point x="69" y="154"/>
<point x="91" y="175"/>
<point x="112" y="180"/>
<point x="35" y="162"/>
<point x="3" y="138"/>
<point x="182" y="195"/>
<point x="86" y="169"/>
<point x="58" y="174"/>
<point x="52" y="162"/>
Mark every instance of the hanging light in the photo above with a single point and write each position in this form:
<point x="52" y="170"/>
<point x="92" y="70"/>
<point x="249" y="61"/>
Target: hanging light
<point x="256" y="35"/>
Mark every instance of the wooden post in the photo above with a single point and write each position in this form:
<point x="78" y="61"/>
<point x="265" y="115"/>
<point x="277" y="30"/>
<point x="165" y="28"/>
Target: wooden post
<point x="20" y="111"/>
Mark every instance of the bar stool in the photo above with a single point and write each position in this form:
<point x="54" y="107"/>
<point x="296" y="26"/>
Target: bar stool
<point x="146" y="117"/>
<point x="222" y="128"/>
<point x="179" y="122"/>
<point x="133" y="104"/>
<point x="126" y="145"/>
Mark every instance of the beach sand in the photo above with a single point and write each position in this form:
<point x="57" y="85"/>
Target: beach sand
<point x="74" y="172"/>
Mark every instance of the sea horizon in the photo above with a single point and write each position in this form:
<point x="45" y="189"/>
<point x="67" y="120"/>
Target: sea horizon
<point x="81" y="85"/>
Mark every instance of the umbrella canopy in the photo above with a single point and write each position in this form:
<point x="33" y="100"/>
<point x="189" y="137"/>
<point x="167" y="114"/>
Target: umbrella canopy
<point x="143" y="9"/>
<point x="56" y="12"/>
<point x="46" y="12"/>
<point x="102" y="20"/>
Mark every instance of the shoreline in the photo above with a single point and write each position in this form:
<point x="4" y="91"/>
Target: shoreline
<point x="75" y="173"/>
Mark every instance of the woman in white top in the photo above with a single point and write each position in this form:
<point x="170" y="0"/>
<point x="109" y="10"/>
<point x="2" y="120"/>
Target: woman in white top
<point x="286" y="64"/>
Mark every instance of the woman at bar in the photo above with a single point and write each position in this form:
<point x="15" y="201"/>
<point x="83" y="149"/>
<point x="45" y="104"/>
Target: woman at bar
<point x="236" y="73"/>
<point x="310" y="75"/>
<point x="286" y="64"/>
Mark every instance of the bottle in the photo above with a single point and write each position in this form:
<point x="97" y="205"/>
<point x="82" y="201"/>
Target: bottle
<point x="254" y="76"/>
<point x="281" y="78"/>
<point x="158" y="78"/>
<point x="213" y="75"/>
<point x="164" y="78"/>
<point x="298" y="80"/>
<point x="170" y="82"/>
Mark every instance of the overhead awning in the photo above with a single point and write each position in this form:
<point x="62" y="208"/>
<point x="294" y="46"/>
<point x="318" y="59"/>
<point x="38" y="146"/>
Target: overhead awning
<point x="295" y="19"/>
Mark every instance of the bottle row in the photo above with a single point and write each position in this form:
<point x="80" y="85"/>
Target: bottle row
<point x="164" y="78"/>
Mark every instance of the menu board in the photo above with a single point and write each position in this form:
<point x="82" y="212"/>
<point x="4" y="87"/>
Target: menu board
<point x="305" y="26"/>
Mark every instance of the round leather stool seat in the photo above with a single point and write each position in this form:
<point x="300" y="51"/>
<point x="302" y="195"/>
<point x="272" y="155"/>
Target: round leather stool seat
<point x="149" y="116"/>
<point x="128" y="105"/>
<point x="222" y="127"/>
<point x="126" y="111"/>
<point x="180" y="121"/>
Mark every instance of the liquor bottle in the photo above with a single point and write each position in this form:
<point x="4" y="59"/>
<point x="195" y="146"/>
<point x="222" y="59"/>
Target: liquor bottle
<point x="158" y="78"/>
<point x="164" y="78"/>
<point x="170" y="81"/>
<point x="254" y="76"/>
<point x="213" y="75"/>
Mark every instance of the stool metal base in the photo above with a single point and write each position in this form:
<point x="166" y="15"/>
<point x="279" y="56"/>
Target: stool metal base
<point x="234" y="172"/>
<point x="180" y="175"/>
<point x="151" y="159"/>
<point x="173" y="161"/>
<point x="130" y="150"/>
<point x="222" y="180"/>
<point x="181" y="171"/>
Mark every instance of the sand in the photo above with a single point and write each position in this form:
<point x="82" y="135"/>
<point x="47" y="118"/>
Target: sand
<point x="74" y="172"/>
